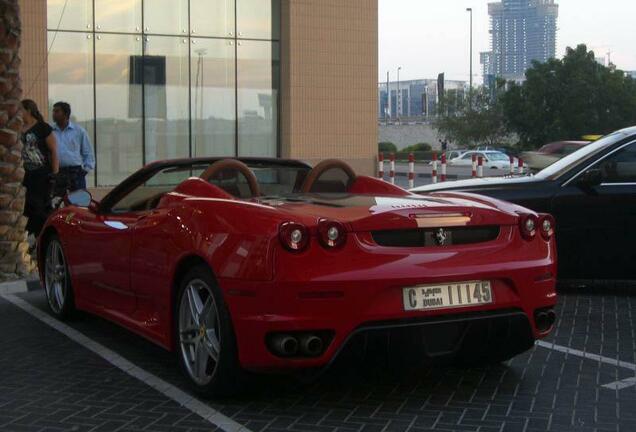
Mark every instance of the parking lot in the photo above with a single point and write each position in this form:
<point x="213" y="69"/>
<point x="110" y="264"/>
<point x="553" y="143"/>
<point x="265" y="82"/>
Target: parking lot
<point x="93" y="376"/>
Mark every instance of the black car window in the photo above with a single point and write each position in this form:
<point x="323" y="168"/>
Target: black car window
<point x="579" y="157"/>
<point x="620" y="167"/>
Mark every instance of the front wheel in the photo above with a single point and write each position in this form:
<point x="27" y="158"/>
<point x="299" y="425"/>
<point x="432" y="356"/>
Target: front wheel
<point x="206" y="346"/>
<point x="57" y="281"/>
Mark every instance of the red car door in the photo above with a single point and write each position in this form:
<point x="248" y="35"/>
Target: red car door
<point x="152" y="257"/>
<point x="101" y="260"/>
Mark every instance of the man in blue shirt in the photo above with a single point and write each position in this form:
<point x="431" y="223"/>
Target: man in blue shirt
<point x="73" y="146"/>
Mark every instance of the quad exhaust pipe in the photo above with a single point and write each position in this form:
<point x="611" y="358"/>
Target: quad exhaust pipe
<point x="300" y="345"/>
<point x="284" y="345"/>
<point x="544" y="319"/>
<point x="311" y="345"/>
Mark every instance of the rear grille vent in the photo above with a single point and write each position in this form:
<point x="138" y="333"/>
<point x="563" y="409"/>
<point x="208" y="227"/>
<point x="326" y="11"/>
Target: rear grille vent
<point x="435" y="236"/>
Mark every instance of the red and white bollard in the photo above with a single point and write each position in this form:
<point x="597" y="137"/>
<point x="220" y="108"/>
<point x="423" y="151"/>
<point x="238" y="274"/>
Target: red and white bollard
<point x="512" y="165"/>
<point x="392" y="172"/>
<point x="381" y="166"/>
<point x="434" y="174"/>
<point x="520" y="166"/>
<point x="480" y="167"/>
<point x="411" y="171"/>
<point x="474" y="165"/>
<point x="443" y="176"/>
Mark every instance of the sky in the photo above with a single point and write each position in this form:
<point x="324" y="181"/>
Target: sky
<point x="427" y="37"/>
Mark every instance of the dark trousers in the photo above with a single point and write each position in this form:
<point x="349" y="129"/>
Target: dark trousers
<point x="75" y="177"/>
<point x="37" y="206"/>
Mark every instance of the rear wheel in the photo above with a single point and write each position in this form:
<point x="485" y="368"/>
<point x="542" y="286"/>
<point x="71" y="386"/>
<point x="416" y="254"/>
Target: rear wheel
<point x="206" y="346"/>
<point x="57" y="281"/>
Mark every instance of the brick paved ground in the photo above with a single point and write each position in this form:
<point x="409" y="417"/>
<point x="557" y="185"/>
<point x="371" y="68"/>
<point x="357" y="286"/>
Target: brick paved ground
<point x="48" y="383"/>
<point x="47" y="380"/>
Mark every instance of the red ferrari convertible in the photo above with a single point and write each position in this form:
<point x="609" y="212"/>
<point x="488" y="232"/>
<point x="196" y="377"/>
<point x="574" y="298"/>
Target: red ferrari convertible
<point x="270" y="265"/>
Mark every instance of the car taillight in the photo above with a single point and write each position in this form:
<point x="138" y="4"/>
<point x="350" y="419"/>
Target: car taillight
<point x="546" y="226"/>
<point x="294" y="236"/>
<point x="331" y="234"/>
<point x="528" y="225"/>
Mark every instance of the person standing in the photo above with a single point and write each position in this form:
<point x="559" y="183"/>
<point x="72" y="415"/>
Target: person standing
<point x="41" y="165"/>
<point x="74" y="147"/>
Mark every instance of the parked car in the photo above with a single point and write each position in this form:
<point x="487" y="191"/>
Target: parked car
<point x="550" y="153"/>
<point x="270" y="265"/>
<point x="492" y="159"/>
<point x="451" y="154"/>
<point x="454" y="154"/>
<point x="592" y="195"/>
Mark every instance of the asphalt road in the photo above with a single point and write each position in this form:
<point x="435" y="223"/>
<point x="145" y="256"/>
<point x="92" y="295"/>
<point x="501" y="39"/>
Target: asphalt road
<point x="582" y="378"/>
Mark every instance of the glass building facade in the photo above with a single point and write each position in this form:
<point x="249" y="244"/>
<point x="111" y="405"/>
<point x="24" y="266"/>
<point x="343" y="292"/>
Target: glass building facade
<point x="161" y="79"/>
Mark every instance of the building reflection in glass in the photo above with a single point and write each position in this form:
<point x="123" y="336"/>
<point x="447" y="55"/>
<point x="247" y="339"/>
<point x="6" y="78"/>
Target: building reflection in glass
<point x="163" y="79"/>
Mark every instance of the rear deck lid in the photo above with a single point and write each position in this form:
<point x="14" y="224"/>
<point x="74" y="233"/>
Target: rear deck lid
<point x="373" y="213"/>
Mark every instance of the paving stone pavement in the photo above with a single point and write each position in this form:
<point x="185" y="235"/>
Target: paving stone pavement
<point x="48" y="382"/>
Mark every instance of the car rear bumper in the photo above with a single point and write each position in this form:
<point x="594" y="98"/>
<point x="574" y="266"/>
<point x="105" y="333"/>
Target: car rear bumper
<point x="474" y="335"/>
<point x="310" y="299"/>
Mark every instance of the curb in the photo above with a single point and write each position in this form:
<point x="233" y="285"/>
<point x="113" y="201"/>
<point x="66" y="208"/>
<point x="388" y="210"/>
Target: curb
<point x="19" y="286"/>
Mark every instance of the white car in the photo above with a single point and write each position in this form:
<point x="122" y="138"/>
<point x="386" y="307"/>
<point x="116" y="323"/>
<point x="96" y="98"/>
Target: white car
<point x="492" y="159"/>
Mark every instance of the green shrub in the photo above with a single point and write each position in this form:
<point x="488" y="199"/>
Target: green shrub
<point x="421" y="147"/>
<point x="387" y="147"/>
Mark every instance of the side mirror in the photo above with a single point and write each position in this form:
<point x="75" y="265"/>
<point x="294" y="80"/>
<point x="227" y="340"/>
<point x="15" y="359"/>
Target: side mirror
<point x="590" y="178"/>
<point x="79" y="198"/>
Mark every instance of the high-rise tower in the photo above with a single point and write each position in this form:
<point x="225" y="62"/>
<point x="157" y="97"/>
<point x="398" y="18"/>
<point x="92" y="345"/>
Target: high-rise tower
<point x="521" y="31"/>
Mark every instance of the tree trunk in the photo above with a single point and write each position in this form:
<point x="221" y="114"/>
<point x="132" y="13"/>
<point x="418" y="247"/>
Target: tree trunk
<point x="14" y="256"/>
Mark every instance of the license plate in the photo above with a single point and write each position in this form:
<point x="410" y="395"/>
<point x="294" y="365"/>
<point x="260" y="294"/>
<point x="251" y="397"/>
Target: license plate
<point x="451" y="295"/>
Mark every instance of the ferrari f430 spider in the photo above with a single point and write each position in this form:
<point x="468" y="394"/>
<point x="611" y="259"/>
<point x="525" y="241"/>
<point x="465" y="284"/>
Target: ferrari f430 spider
<point x="271" y="265"/>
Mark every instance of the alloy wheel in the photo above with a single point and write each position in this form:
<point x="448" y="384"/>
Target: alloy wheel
<point x="55" y="276"/>
<point x="199" y="331"/>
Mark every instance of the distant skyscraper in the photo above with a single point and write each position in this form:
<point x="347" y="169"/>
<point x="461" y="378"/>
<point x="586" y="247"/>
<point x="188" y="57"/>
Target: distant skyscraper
<point x="418" y="98"/>
<point x="521" y="31"/>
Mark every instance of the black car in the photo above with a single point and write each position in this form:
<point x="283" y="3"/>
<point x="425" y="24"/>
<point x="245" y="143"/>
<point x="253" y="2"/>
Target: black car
<point x="592" y="195"/>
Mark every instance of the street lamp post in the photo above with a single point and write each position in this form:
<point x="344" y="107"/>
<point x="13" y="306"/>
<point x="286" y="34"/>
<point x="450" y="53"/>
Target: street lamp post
<point x="388" y="97"/>
<point x="397" y="101"/>
<point x="470" y="89"/>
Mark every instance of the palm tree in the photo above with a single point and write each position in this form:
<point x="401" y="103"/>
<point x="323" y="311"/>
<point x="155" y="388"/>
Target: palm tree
<point x="14" y="256"/>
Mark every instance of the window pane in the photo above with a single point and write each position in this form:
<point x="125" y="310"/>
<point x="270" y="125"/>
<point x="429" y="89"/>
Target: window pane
<point x="166" y="80"/>
<point x="213" y="106"/>
<point x="168" y="17"/>
<point x="119" y="125"/>
<point x="258" y="19"/>
<point x="118" y="15"/>
<point x="258" y="71"/>
<point x="77" y="15"/>
<point x="620" y="167"/>
<point x="71" y="78"/>
<point x="212" y="17"/>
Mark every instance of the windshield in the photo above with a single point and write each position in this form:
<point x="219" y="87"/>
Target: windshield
<point x="273" y="180"/>
<point x="497" y="156"/>
<point x="560" y="167"/>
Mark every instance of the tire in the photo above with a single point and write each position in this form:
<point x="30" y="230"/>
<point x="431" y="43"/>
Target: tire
<point x="199" y="339"/>
<point x="57" y="280"/>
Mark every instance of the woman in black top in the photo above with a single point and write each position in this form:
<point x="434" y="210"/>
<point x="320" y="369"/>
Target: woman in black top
<point x="41" y="165"/>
